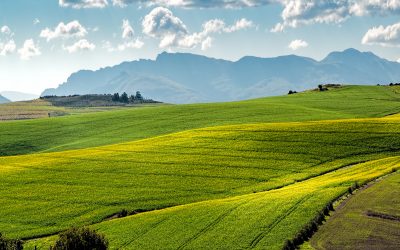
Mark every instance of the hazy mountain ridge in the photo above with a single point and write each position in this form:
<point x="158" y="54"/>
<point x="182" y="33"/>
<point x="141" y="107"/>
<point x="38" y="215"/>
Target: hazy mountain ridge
<point x="185" y="78"/>
<point x="16" y="96"/>
<point x="3" y="100"/>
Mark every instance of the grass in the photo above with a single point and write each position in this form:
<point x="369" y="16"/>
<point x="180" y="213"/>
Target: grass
<point x="42" y="108"/>
<point x="217" y="175"/>
<point x="46" y="193"/>
<point x="28" y="110"/>
<point x="75" y="132"/>
<point x="262" y="220"/>
<point x="353" y="227"/>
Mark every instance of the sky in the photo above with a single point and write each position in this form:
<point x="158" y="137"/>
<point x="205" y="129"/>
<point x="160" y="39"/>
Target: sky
<point x="43" y="42"/>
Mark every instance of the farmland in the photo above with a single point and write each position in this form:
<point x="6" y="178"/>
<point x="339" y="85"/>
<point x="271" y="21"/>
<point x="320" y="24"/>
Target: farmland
<point x="75" y="132"/>
<point x="236" y="175"/>
<point x="370" y="219"/>
<point x="47" y="108"/>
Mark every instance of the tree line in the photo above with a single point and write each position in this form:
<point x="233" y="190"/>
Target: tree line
<point x="124" y="98"/>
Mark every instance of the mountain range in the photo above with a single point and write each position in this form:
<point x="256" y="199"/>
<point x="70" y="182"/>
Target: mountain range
<point x="16" y="96"/>
<point x="188" y="78"/>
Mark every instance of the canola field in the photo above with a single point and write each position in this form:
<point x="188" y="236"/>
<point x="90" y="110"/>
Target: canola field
<point x="251" y="184"/>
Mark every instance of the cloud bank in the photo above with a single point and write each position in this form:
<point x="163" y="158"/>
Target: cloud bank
<point x="162" y="24"/>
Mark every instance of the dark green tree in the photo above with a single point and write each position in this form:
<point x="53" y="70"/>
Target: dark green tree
<point x="115" y="97"/>
<point x="124" y="98"/>
<point x="138" y="96"/>
<point x="82" y="239"/>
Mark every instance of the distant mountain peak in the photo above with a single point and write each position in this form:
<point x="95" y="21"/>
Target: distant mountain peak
<point x="350" y="55"/>
<point x="186" y="77"/>
<point x="3" y="100"/>
<point x="17" y="96"/>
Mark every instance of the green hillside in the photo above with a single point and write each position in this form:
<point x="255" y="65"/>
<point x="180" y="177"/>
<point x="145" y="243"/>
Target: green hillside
<point x="236" y="175"/>
<point x="88" y="130"/>
<point x="52" y="191"/>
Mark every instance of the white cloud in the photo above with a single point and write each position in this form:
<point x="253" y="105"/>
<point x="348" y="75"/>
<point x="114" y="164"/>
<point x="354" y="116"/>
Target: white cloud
<point x="388" y="36"/>
<point x="136" y="44"/>
<point x="29" y="50"/>
<point x="7" y="48"/>
<point x="172" y="32"/>
<point x="303" y="12"/>
<point x="213" y="26"/>
<point x="78" y="4"/>
<point x="161" y="23"/>
<point x="129" y="42"/>
<point x="298" y="44"/>
<point x="380" y="7"/>
<point x="196" y="3"/>
<point x="36" y="21"/>
<point x="5" y="30"/>
<point x="206" y="44"/>
<point x="81" y="45"/>
<point x="71" y="29"/>
<point x="127" y="30"/>
<point x="239" y="25"/>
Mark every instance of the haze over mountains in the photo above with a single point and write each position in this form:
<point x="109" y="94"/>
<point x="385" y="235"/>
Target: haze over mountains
<point x="188" y="78"/>
<point x="3" y="99"/>
<point x="16" y="96"/>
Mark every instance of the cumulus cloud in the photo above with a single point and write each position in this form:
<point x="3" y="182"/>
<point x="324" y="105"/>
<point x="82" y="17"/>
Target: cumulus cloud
<point x="380" y="7"/>
<point x="5" y="30"/>
<point x="136" y="44"/>
<point x="81" y="45"/>
<point x="388" y="36"/>
<point x="78" y="4"/>
<point x="161" y="23"/>
<point x="239" y="25"/>
<point x="7" y="48"/>
<point x="127" y="30"/>
<point x="206" y="44"/>
<point x="298" y="44"/>
<point x="303" y="12"/>
<point x="129" y="41"/>
<point x="29" y="50"/>
<point x="71" y="29"/>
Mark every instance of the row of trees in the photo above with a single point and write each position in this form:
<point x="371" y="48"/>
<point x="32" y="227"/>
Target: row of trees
<point x="124" y="98"/>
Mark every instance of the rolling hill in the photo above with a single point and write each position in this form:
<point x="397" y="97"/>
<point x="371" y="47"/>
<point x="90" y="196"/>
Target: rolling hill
<point x="240" y="170"/>
<point x="133" y="124"/>
<point x="188" y="78"/>
<point x="239" y="175"/>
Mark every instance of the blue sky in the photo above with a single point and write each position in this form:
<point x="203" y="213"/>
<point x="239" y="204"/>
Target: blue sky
<point x="43" y="42"/>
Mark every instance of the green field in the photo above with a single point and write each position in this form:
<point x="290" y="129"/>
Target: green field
<point x="236" y="175"/>
<point x="42" y="108"/>
<point x="369" y="219"/>
<point x="75" y="132"/>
